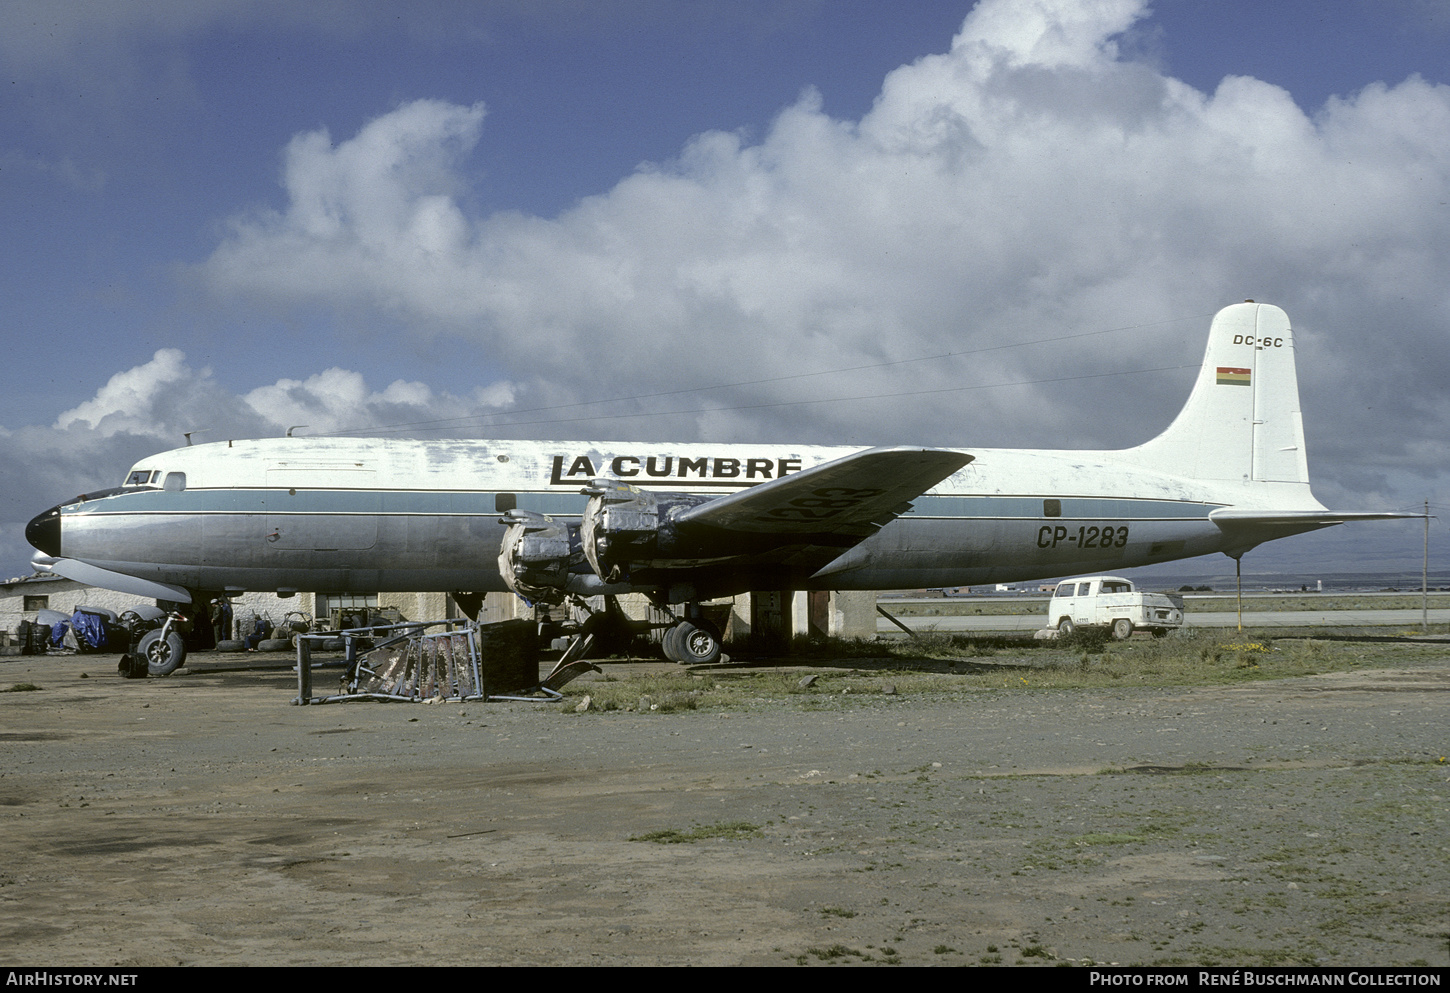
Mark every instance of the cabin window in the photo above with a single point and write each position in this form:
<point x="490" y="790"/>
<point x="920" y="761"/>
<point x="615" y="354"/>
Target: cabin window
<point x="1066" y="589"/>
<point x="504" y="502"/>
<point x="175" y="482"/>
<point x="1051" y="508"/>
<point x="37" y="603"/>
<point x="142" y="477"/>
<point x="1116" y="588"/>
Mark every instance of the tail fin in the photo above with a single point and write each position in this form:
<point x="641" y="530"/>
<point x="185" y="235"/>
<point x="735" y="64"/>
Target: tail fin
<point x="1242" y="421"/>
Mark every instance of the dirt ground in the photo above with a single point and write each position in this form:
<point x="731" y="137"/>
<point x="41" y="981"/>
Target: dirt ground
<point x="203" y="819"/>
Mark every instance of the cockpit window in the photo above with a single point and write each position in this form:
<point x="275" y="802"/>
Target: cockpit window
<point x="142" y="477"/>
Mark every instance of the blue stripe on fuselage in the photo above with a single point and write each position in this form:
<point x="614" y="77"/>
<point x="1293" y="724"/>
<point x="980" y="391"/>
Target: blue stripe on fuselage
<point x="469" y="503"/>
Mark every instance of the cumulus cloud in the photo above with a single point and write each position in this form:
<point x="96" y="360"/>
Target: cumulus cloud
<point x="1031" y="183"/>
<point x="1028" y="183"/>
<point x="151" y="407"/>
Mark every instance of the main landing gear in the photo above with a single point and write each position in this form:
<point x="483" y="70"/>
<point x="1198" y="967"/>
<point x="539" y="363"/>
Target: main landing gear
<point x="695" y="641"/>
<point x="691" y="639"/>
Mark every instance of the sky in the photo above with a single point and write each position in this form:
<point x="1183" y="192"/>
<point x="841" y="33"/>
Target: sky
<point x="762" y="220"/>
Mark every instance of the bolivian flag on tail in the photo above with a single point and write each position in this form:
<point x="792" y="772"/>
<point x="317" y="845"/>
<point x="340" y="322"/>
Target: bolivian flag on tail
<point x="1232" y="377"/>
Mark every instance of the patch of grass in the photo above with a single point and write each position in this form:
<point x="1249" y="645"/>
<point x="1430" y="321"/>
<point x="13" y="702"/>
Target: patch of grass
<point x="1092" y="640"/>
<point x="21" y="688"/>
<point x="837" y="912"/>
<point x="667" y="693"/>
<point x="836" y="952"/>
<point x="728" y="830"/>
<point x="850" y="674"/>
<point x="1220" y="955"/>
<point x="1107" y="838"/>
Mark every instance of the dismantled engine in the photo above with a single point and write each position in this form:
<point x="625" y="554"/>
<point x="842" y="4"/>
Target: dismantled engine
<point x="624" y="529"/>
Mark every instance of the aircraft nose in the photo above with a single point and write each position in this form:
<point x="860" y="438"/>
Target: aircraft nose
<point x="43" y="531"/>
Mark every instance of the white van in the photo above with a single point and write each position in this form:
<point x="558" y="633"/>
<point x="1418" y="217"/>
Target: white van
<point x="1112" y="602"/>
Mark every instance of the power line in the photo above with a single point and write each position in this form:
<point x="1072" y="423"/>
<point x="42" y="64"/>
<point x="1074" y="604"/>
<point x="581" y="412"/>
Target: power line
<point x="438" y="424"/>
<point x="801" y="403"/>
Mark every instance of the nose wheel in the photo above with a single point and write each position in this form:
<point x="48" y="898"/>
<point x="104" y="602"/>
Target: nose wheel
<point x="164" y="651"/>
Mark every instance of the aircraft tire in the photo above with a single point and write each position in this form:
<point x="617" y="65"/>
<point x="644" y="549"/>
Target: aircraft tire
<point x="697" y="644"/>
<point x="1122" y="629"/>
<point x="231" y="646"/>
<point x="163" y="656"/>
<point x="273" y="645"/>
<point x="670" y="644"/>
<point x="1066" y="628"/>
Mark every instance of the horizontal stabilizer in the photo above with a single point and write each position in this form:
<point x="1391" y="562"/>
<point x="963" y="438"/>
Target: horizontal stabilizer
<point x="853" y="496"/>
<point x="1229" y="517"/>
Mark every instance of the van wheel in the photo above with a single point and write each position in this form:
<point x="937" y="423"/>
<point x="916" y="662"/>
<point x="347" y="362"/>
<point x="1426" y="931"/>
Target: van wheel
<point x="1160" y="632"/>
<point x="1066" y="628"/>
<point x="163" y="655"/>
<point x="1122" y="629"/>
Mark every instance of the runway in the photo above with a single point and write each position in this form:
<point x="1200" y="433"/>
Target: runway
<point x="1395" y="619"/>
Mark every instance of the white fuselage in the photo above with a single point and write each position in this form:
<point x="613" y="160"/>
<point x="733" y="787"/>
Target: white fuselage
<point x="376" y="515"/>
<point x="367" y="515"/>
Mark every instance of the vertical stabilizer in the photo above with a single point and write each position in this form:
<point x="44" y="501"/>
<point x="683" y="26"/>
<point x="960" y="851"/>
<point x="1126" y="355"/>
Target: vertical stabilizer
<point x="1241" y="422"/>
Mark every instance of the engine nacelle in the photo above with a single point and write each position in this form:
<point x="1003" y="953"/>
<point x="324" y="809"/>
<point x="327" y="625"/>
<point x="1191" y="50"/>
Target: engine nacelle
<point x="536" y="555"/>
<point x="625" y="529"/>
<point x="625" y="526"/>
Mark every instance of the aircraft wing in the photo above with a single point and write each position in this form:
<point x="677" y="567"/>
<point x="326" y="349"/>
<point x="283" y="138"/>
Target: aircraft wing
<point x="850" y="498"/>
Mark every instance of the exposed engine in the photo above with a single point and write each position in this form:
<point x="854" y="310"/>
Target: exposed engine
<point x="536" y="556"/>
<point x="624" y="529"/>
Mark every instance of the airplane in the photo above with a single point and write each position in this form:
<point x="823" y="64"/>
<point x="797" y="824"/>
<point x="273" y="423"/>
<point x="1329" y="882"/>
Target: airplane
<point x="684" y="523"/>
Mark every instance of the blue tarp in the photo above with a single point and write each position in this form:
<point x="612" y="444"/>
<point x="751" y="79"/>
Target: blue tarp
<point x="89" y="628"/>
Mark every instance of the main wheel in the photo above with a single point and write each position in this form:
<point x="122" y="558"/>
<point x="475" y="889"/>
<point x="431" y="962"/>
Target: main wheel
<point x="670" y="644"/>
<point x="163" y="655"/>
<point x="1066" y="628"/>
<point x="696" y="644"/>
<point x="1122" y="629"/>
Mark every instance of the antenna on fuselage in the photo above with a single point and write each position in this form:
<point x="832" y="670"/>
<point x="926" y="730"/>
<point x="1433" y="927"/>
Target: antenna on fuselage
<point x="187" y="435"/>
<point x="294" y="428"/>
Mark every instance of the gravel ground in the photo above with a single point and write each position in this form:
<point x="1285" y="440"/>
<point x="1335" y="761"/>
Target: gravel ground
<point x="201" y="819"/>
